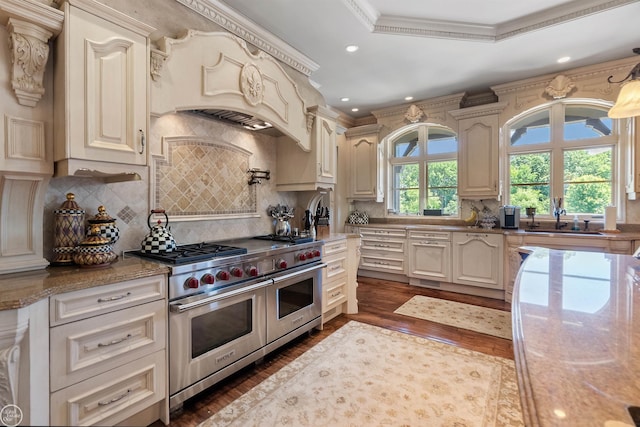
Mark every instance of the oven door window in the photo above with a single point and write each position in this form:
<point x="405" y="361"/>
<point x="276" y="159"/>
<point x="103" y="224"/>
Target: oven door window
<point x="216" y="328"/>
<point x="294" y="297"/>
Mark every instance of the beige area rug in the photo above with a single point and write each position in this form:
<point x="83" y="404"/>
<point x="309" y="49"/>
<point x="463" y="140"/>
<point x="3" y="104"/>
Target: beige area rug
<point x="465" y="316"/>
<point x="363" y="375"/>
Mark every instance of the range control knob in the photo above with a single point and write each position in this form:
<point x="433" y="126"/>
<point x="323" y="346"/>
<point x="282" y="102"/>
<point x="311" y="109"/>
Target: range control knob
<point x="207" y="279"/>
<point x="309" y="255"/>
<point x="281" y="263"/>
<point x="302" y="257"/>
<point x="237" y="272"/>
<point x="223" y="275"/>
<point x="252" y="271"/>
<point x="191" y="283"/>
<point x="316" y="253"/>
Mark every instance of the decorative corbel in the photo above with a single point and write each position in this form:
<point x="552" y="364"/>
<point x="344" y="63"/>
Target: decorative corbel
<point x="560" y="87"/>
<point x="29" y="53"/>
<point x="414" y="114"/>
<point x="158" y="59"/>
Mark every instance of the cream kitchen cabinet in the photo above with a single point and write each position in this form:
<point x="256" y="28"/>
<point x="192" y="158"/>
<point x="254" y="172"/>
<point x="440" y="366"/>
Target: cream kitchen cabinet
<point x="100" y="89"/>
<point x="429" y="256"/>
<point x="300" y="170"/>
<point x="108" y="361"/>
<point x="477" y="259"/>
<point x="478" y="155"/>
<point x="334" y="279"/>
<point x="382" y="251"/>
<point x="366" y="178"/>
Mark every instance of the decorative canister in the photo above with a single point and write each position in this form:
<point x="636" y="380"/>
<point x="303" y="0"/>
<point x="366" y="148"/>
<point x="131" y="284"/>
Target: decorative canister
<point x="68" y="230"/>
<point x="95" y="250"/>
<point x="107" y="225"/>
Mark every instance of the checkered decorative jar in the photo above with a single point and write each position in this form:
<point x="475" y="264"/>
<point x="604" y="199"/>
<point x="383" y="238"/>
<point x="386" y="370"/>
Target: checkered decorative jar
<point x="95" y="250"/>
<point x="108" y="228"/>
<point x="68" y="231"/>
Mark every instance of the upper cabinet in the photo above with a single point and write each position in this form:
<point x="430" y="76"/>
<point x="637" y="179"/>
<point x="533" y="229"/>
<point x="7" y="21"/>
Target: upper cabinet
<point x="300" y="170"/>
<point x="365" y="163"/>
<point x="100" y="89"/>
<point x="478" y="137"/>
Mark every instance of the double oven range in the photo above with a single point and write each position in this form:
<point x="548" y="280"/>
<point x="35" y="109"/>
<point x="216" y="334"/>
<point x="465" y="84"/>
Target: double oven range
<point x="233" y="302"/>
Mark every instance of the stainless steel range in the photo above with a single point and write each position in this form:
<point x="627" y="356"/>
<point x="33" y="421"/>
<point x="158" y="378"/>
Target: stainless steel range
<point x="233" y="302"/>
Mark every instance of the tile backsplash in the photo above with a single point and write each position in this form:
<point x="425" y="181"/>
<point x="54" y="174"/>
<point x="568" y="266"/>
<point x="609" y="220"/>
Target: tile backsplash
<point x="130" y="202"/>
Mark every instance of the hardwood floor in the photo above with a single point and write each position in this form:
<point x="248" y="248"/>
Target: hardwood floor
<point x="377" y="299"/>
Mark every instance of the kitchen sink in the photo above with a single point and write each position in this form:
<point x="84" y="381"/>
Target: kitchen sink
<point x="562" y="230"/>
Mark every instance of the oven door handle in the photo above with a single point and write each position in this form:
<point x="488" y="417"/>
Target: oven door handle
<point x="178" y="307"/>
<point x="295" y="274"/>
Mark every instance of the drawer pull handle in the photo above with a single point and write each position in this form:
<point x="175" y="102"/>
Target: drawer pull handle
<point x="335" y="267"/>
<point x="115" y="341"/>
<point x="115" y="399"/>
<point x="336" y="294"/>
<point x="117" y="297"/>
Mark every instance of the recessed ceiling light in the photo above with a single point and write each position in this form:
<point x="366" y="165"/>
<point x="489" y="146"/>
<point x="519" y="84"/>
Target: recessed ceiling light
<point x="354" y="110"/>
<point x="408" y="98"/>
<point x="352" y="48"/>
<point x="345" y="99"/>
<point x="564" y="59"/>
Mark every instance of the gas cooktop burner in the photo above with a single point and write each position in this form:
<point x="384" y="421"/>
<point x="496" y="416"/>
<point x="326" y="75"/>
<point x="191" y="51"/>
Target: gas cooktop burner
<point x="194" y="252"/>
<point x="289" y="239"/>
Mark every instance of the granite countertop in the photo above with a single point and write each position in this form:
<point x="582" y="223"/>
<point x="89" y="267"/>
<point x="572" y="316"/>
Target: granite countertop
<point x="576" y="330"/>
<point x="22" y="289"/>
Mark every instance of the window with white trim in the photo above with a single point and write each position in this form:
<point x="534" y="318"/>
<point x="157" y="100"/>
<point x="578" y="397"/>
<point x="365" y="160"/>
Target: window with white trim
<point x="568" y="150"/>
<point x="423" y="164"/>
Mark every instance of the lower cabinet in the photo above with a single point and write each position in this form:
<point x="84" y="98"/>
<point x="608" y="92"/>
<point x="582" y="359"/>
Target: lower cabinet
<point x="429" y="255"/>
<point x="108" y="360"/>
<point x="477" y="259"/>
<point x="339" y="279"/>
<point x="382" y="251"/>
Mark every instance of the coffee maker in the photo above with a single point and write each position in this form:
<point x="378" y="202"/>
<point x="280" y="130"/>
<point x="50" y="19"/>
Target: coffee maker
<point x="509" y="216"/>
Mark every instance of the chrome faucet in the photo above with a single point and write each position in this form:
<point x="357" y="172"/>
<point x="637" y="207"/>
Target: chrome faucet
<point x="558" y="211"/>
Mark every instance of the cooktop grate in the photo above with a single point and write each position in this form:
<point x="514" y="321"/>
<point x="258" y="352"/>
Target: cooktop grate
<point x="193" y="252"/>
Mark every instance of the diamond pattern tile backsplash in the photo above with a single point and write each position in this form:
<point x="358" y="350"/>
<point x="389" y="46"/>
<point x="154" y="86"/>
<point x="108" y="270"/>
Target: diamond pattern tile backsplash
<point x="203" y="178"/>
<point x="212" y="179"/>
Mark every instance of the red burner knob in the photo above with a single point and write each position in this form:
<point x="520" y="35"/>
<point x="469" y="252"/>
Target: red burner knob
<point x="207" y="279"/>
<point x="302" y="257"/>
<point x="236" y="272"/>
<point x="252" y="271"/>
<point x="309" y="255"/>
<point x="191" y="282"/>
<point x="281" y="263"/>
<point x="316" y="253"/>
<point x="223" y="275"/>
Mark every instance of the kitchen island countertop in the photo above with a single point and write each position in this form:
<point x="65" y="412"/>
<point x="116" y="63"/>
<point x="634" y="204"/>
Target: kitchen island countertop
<point x="19" y="290"/>
<point x="576" y="328"/>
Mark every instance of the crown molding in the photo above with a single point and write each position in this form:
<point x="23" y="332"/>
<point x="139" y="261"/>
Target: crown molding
<point x="402" y="25"/>
<point x="221" y="14"/>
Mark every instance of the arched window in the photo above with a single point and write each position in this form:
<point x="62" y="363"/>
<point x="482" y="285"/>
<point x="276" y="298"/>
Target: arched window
<point x="565" y="150"/>
<point x="423" y="164"/>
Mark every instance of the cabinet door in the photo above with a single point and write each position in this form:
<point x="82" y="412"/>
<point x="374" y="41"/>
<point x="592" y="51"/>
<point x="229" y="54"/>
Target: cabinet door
<point x="105" y="79"/>
<point x="365" y="163"/>
<point x="478" y="157"/>
<point x="430" y="260"/>
<point x="477" y="259"/>
<point x="326" y="150"/>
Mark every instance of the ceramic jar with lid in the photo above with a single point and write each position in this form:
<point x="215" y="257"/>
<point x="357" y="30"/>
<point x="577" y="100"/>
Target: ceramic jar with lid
<point x="68" y="230"/>
<point x="95" y="250"/>
<point x="108" y="228"/>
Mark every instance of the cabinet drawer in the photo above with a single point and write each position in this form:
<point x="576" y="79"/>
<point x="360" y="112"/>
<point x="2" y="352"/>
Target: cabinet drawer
<point x="336" y="266"/>
<point x="80" y="350"/>
<point x="335" y="294"/>
<point x="82" y="304"/>
<point x="383" y="232"/>
<point x="113" y="396"/>
<point x="335" y="247"/>
<point x="381" y="263"/>
<point x="430" y="235"/>
<point x="396" y="246"/>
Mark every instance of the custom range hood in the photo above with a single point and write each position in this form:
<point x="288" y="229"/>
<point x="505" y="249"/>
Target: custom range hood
<point x="214" y="74"/>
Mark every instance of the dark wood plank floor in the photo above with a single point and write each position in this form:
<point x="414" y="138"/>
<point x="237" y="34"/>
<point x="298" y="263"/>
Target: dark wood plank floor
<point x="377" y="300"/>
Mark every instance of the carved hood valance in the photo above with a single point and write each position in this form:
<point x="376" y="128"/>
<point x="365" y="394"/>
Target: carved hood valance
<point x="216" y="71"/>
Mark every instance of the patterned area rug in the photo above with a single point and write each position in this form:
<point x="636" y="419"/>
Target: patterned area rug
<point x="465" y="316"/>
<point x="363" y="375"/>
